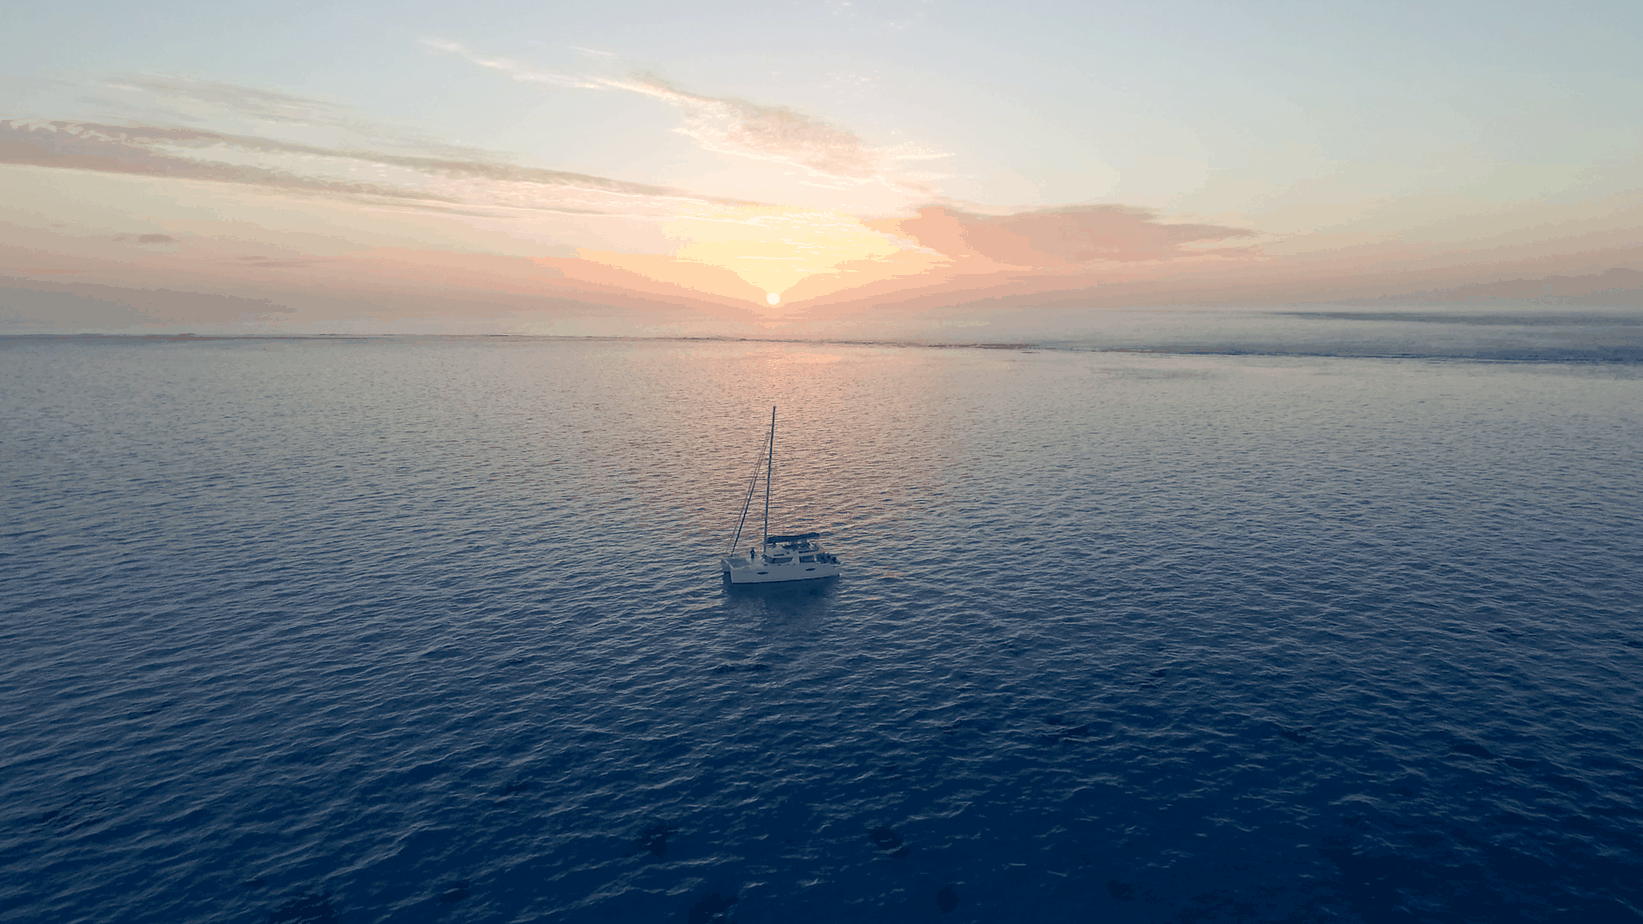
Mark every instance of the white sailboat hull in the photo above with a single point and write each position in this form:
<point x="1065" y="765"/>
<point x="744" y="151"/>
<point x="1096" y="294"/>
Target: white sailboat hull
<point x="739" y="570"/>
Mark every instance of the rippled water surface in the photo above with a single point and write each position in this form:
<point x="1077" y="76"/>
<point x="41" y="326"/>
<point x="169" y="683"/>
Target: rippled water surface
<point x="433" y="630"/>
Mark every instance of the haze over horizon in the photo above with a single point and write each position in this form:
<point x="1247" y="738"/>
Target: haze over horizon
<point x="833" y="169"/>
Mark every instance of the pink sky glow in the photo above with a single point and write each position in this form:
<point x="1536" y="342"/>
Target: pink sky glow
<point x="662" y="188"/>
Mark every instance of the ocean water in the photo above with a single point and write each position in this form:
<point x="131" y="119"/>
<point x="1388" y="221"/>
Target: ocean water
<point x="1319" y="618"/>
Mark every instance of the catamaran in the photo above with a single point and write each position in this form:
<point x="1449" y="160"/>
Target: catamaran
<point x="786" y="557"/>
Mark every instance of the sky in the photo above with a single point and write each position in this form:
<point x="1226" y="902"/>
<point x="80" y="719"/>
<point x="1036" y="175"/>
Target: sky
<point x="906" y="169"/>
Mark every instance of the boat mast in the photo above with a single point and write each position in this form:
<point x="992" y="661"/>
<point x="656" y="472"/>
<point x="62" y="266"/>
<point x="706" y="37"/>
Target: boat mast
<point x="770" y="469"/>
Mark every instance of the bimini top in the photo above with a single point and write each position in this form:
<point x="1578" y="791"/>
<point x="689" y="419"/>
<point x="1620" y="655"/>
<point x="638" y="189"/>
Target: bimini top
<point x="796" y="537"/>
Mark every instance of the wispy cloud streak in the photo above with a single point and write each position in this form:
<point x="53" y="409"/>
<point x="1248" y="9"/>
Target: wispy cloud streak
<point x="738" y="127"/>
<point x="169" y="100"/>
<point x="776" y="133"/>
<point x="196" y="154"/>
<point x="142" y="152"/>
<point x="523" y="73"/>
<point x="1064" y="239"/>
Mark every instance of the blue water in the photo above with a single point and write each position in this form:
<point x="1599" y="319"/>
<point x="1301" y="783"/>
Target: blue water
<point x="433" y="630"/>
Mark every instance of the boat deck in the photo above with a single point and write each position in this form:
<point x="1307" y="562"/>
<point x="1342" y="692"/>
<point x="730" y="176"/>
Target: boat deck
<point x="785" y="558"/>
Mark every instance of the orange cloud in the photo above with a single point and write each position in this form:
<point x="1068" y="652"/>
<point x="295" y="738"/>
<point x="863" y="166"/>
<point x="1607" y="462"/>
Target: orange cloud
<point x="1062" y="239"/>
<point x="951" y="255"/>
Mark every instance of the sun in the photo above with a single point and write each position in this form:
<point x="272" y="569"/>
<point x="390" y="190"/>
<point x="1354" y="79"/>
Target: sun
<point x="772" y="297"/>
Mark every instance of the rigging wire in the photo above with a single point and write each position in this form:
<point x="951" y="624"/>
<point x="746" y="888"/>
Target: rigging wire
<point x="748" y="504"/>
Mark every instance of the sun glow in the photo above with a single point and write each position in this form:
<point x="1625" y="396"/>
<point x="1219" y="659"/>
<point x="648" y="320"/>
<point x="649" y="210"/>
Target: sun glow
<point x="774" y="248"/>
<point x="772" y="297"/>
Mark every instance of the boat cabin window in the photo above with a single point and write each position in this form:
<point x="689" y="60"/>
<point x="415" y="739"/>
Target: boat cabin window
<point x="807" y="558"/>
<point x="780" y="559"/>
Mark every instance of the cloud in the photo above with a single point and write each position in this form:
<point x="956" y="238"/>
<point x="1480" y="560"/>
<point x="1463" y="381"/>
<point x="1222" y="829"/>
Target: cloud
<point x="156" y="239"/>
<point x="196" y="154"/>
<point x="269" y="105"/>
<point x="777" y="133"/>
<point x="186" y="100"/>
<point x="263" y="262"/>
<point x="740" y="128"/>
<point x="1562" y="269"/>
<point x="106" y="149"/>
<point x="514" y="69"/>
<point x="1063" y="239"/>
